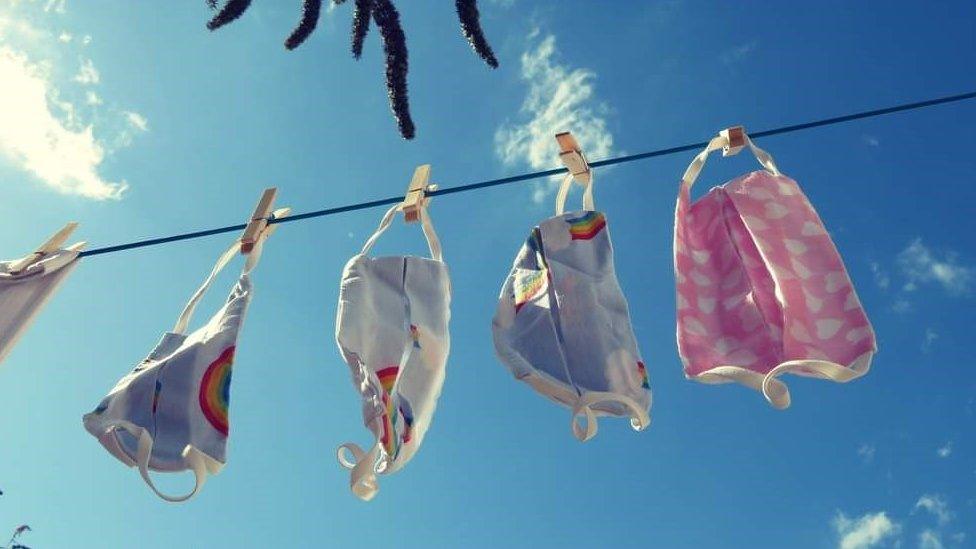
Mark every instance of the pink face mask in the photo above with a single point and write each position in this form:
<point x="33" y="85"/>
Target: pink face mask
<point x="761" y="289"/>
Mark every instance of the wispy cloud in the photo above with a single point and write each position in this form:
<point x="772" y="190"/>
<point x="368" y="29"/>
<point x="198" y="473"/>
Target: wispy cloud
<point x="881" y="278"/>
<point x="929" y="539"/>
<point x="55" y="126"/>
<point x="871" y="141"/>
<point x="866" y="453"/>
<point x="935" y="504"/>
<point x="87" y="73"/>
<point x="559" y="98"/>
<point x="930" y="337"/>
<point x="920" y="266"/>
<point x="738" y="53"/>
<point x="868" y="530"/>
<point x="945" y="451"/>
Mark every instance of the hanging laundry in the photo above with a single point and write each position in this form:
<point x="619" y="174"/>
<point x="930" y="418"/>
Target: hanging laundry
<point x="563" y="325"/>
<point x="171" y="413"/>
<point x="27" y="284"/>
<point x="761" y="289"/>
<point x="392" y="331"/>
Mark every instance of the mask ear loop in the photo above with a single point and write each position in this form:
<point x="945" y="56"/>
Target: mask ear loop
<point x="433" y="243"/>
<point x="252" y="259"/>
<point x="564" y="192"/>
<point x="717" y="143"/>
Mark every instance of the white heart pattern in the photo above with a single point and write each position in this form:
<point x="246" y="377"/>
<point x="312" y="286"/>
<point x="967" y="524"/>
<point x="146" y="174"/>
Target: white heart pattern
<point x="701" y="256"/>
<point x="775" y="210"/>
<point x="857" y="334"/>
<point x="812" y="229"/>
<point x="706" y="304"/>
<point x="700" y="278"/>
<point x="827" y="327"/>
<point x="800" y="269"/>
<point x="795" y="246"/>
<point x="694" y="326"/>
<point x="835" y="281"/>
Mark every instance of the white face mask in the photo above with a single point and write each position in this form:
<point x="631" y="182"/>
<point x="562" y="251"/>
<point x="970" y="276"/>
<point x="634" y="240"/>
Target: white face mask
<point x="23" y="294"/>
<point x="171" y="412"/>
<point x="392" y="330"/>
<point x="563" y="325"/>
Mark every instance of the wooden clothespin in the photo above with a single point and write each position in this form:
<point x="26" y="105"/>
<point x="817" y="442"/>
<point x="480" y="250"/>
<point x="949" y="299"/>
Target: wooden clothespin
<point x="258" y="228"/>
<point x="52" y="245"/>
<point x="572" y="157"/>
<point x="735" y="140"/>
<point x="416" y="197"/>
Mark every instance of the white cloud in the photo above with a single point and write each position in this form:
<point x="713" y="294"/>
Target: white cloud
<point x="919" y="265"/>
<point x="738" y="53"/>
<point x="559" y="98"/>
<point x="57" y="6"/>
<point x="92" y="98"/>
<point x="137" y="120"/>
<point x="65" y="37"/>
<point x="871" y="141"/>
<point x="902" y="305"/>
<point x="866" y="452"/>
<point x="945" y="451"/>
<point x="930" y="539"/>
<point x="869" y="530"/>
<point x="87" y="73"/>
<point x="37" y="140"/>
<point x="881" y="278"/>
<point x="935" y="504"/>
<point x="930" y="337"/>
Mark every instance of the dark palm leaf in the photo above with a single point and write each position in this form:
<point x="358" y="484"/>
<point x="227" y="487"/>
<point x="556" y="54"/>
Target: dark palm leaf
<point x="387" y="19"/>
<point x="310" y="18"/>
<point x="231" y="11"/>
<point x="212" y="4"/>
<point x="471" y="27"/>
<point x="360" y="25"/>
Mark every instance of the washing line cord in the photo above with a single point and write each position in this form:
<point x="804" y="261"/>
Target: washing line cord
<point x="528" y="176"/>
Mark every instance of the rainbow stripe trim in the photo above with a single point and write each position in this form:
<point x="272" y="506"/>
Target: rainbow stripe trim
<point x="215" y="391"/>
<point x="528" y="286"/>
<point x="645" y="382"/>
<point x="587" y="226"/>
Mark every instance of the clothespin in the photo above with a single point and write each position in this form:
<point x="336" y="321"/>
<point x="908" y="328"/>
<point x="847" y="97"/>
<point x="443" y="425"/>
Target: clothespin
<point x="735" y="140"/>
<point x="258" y="228"/>
<point x="572" y="157"/>
<point x="416" y="197"/>
<point x="52" y="245"/>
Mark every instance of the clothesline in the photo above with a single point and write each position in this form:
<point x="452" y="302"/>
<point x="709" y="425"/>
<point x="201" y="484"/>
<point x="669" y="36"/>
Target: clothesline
<point x="531" y="175"/>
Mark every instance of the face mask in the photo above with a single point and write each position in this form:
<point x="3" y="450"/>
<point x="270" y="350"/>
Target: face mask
<point x="392" y="331"/>
<point x="171" y="412"/>
<point x="24" y="293"/>
<point x="562" y="323"/>
<point x="761" y="289"/>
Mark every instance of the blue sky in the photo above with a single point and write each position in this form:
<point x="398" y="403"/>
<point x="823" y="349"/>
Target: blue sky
<point x="135" y="121"/>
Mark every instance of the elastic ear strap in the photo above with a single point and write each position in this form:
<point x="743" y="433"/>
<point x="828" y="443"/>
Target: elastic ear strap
<point x="639" y="418"/>
<point x="588" y="204"/>
<point x="430" y="234"/>
<point x="717" y="143"/>
<point x="362" y="476"/>
<point x="187" y="314"/>
<point x="383" y="226"/>
<point x="142" y="460"/>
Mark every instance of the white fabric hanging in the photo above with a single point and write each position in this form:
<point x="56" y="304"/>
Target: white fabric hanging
<point x="24" y="294"/>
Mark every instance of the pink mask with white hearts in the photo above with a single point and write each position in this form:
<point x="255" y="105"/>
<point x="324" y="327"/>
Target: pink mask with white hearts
<point x="761" y="289"/>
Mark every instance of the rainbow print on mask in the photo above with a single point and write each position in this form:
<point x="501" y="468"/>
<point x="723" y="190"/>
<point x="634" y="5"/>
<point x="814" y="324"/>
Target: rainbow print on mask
<point x="645" y="382"/>
<point x="586" y="226"/>
<point x="407" y="414"/>
<point x="387" y="377"/>
<point x="528" y="285"/>
<point x="215" y="391"/>
<point x="415" y="335"/>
